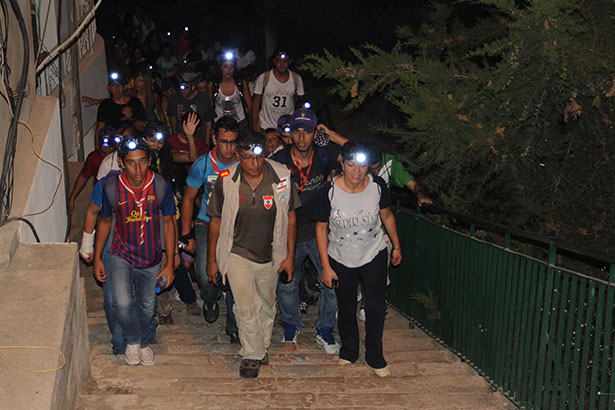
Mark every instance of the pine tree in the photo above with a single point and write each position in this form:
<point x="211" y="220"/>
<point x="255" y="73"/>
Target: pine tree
<point x="508" y="110"/>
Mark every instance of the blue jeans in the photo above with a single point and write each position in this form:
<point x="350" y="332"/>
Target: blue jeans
<point x="210" y="293"/>
<point x="135" y="319"/>
<point x="288" y="295"/>
<point x="117" y="336"/>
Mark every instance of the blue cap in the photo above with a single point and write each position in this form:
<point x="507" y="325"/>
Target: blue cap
<point x="303" y="118"/>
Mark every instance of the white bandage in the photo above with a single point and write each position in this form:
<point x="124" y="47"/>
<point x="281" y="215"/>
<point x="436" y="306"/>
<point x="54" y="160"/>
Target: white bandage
<point x="87" y="244"/>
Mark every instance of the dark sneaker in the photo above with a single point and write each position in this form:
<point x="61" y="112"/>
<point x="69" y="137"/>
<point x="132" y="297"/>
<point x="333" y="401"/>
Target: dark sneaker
<point x="210" y="312"/>
<point x="303" y="306"/>
<point x="325" y="338"/>
<point x="234" y="337"/>
<point x="265" y="360"/>
<point x="165" y="320"/>
<point x="249" y="368"/>
<point x="118" y="351"/>
<point x="290" y="333"/>
<point x="193" y="309"/>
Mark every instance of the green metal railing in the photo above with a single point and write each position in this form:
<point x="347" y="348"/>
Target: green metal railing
<point x="541" y="334"/>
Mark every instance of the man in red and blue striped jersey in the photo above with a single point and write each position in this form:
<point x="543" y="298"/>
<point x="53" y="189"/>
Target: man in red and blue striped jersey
<point x="141" y="200"/>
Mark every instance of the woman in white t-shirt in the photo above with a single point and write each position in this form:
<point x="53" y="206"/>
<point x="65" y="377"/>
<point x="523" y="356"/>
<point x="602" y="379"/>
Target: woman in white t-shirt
<point x="231" y="96"/>
<point x="353" y="207"/>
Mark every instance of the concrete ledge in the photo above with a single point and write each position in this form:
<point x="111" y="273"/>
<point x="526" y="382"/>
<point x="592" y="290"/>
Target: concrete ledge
<point x="42" y="299"/>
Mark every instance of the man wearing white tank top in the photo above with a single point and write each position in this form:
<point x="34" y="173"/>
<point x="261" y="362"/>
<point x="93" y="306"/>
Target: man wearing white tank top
<point x="276" y="92"/>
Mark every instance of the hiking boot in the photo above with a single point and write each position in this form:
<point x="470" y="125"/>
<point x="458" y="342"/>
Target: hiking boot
<point x="132" y="356"/>
<point x="303" y="306"/>
<point x="324" y="337"/>
<point x="210" y="312"/>
<point x="382" y="372"/>
<point x="249" y="368"/>
<point x="193" y="309"/>
<point x="147" y="356"/>
<point x="165" y="319"/>
<point x="290" y="333"/>
<point x="265" y="360"/>
<point x="234" y="337"/>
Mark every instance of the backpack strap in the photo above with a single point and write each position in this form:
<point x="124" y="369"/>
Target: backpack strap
<point x="266" y="76"/>
<point x="110" y="189"/>
<point x="159" y="187"/>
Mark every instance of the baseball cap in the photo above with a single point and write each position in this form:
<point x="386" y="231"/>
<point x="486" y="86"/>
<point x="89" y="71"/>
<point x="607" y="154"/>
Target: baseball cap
<point x="283" y="122"/>
<point x="303" y="118"/>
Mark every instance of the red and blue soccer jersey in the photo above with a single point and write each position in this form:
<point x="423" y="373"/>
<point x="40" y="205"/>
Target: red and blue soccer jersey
<point x="136" y="235"/>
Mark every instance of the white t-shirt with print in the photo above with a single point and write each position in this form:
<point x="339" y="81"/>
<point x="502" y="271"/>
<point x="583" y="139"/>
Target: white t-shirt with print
<point x="278" y="98"/>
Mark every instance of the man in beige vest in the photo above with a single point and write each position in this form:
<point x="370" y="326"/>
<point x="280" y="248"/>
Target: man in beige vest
<point x="252" y="237"/>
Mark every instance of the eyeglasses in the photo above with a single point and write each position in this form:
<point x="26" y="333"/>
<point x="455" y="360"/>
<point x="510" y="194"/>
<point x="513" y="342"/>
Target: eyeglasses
<point x="254" y="158"/>
<point x="227" y="142"/>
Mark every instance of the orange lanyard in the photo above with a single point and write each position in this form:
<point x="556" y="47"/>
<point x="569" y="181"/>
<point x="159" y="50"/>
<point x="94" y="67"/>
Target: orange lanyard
<point x="303" y="178"/>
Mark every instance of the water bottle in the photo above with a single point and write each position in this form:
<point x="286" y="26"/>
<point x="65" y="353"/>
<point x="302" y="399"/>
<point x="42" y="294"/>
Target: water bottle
<point x="161" y="284"/>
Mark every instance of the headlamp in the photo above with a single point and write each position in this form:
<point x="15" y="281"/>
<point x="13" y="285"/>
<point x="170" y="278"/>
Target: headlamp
<point x="117" y="139"/>
<point x="131" y="145"/>
<point x="286" y="128"/>
<point x="185" y="61"/>
<point x="106" y="142"/>
<point x="360" y="157"/>
<point x="114" y="76"/>
<point x="168" y="33"/>
<point x="151" y="67"/>
<point x="282" y="55"/>
<point x="159" y="136"/>
<point x="256" y="149"/>
<point x="186" y="28"/>
<point x="229" y="56"/>
<point x="182" y="86"/>
<point x="307" y="105"/>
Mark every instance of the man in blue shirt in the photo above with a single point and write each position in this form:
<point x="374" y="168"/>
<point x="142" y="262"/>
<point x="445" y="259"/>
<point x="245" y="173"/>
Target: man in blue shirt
<point x="204" y="172"/>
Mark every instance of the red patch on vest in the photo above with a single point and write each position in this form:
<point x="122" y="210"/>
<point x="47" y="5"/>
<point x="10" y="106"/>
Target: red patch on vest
<point x="268" y="201"/>
<point x="224" y="173"/>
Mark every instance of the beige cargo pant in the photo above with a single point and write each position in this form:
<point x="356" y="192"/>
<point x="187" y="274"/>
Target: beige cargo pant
<point x="254" y="289"/>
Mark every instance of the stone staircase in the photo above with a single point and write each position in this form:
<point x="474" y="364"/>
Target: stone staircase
<point x="197" y="368"/>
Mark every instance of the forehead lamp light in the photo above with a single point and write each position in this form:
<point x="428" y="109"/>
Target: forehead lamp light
<point x="117" y="139"/>
<point x="159" y="136"/>
<point x="114" y="76"/>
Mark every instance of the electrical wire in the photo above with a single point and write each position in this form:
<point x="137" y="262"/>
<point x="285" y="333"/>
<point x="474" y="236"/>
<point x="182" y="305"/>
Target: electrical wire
<point x="28" y="369"/>
<point x="66" y="43"/>
<point x="19" y="218"/>
<point x="6" y="178"/>
<point x="53" y="197"/>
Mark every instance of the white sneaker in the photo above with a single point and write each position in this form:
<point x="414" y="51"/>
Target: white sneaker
<point x="132" y="356"/>
<point x="147" y="356"/>
<point x="362" y="314"/>
<point x="325" y="338"/>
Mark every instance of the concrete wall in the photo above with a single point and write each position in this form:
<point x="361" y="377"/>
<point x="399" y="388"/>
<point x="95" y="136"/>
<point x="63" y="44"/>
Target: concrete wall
<point x="36" y="181"/>
<point x="93" y="83"/>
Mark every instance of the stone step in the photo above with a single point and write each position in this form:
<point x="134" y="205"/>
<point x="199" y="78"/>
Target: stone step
<point x="209" y="358"/>
<point x="222" y="384"/>
<point x="182" y="337"/>
<point x="328" y="400"/>
<point x="113" y="367"/>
